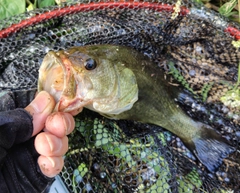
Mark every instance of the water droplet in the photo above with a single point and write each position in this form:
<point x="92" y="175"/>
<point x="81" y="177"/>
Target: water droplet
<point x="192" y="72"/>
<point x="210" y="175"/>
<point x="46" y="49"/>
<point x="238" y="133"/>
<point x="11" y="56"/>
<point x="78" y="179"/>
<point x="103" y="174"/>
<point x="198" y="49"/>
<point x="96" y="166"/>
<point x="88" y="187"/>
<point x="226" y="179"/>
<point x="229" y="130"/>
<point x="224" y="174"/>
<point x="114" y="185"/>
<point x="75" y="172"/>
<point x="31" y="36"/>
<point x="235" y="116"/>
<point x="169" y="138"/>
<point x="179" y="144"/>
<point x="32" y="49"/>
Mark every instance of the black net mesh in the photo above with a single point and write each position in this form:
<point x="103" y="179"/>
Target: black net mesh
<point x="194" y="46"/>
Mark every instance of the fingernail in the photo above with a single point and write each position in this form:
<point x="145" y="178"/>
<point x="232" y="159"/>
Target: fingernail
<point x="41" y="102"/>
<point x="54" y="145"/>
<point x="51" y="161"/>
<point x="67" y="124"/>
<point x="49" y="143"/>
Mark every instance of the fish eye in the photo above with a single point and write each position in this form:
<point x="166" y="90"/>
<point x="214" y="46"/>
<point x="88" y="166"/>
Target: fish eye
<point x="90" y="64"/>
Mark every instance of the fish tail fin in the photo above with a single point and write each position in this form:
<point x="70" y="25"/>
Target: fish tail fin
<point x="210" y="148"/>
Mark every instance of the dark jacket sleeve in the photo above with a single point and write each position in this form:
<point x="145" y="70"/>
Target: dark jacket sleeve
<point x="19" y="171"/>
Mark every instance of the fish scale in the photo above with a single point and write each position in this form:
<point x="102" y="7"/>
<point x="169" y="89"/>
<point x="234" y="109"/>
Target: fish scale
<point x="149" y="30"/>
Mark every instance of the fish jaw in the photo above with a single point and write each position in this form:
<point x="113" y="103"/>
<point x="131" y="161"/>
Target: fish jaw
<point x="56" y="76"/>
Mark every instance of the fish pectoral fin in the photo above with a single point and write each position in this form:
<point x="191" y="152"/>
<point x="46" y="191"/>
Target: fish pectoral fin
<point x="211" y="149"/>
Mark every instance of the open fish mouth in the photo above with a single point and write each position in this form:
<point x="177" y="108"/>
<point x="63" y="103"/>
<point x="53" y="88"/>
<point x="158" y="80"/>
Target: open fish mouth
<point x="56" y="77"/>
<point x="54" y="84"/>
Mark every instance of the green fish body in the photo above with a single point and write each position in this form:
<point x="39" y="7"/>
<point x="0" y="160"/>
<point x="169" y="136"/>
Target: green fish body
<point x="121" y="83"/>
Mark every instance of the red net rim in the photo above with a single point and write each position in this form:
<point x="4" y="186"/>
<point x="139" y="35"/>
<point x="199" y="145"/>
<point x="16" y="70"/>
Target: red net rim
<point x="99" y="6"/>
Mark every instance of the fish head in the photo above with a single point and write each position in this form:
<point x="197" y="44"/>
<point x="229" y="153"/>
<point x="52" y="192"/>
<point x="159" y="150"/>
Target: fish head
<point x="88" y="77"/>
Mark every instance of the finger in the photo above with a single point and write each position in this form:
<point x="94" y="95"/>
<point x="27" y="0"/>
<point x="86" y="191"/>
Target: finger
<point x="48" y="144"/>
<point x="40" y="108"/>
<point x="75" y="112"/>
<point x="50" y="166"/>
<point x="60" y="124"/>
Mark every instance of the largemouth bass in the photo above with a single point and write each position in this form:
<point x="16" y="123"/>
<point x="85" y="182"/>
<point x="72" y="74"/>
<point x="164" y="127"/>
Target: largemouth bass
<point x="121" y="83"/>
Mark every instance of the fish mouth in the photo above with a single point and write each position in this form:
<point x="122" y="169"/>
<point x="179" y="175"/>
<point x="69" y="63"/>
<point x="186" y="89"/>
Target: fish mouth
<point x="57" y="78"/>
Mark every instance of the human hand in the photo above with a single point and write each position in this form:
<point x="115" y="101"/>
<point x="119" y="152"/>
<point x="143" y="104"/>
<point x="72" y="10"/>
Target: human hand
<point x="51" y="144"/>
<point x="23" y="147"/>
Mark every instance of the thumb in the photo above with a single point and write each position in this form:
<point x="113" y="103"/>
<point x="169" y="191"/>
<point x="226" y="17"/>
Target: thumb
<point x="40" y="108"/>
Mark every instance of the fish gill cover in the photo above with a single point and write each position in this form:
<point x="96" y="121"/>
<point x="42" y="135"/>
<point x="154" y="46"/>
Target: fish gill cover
<point x="197" y="49"/>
